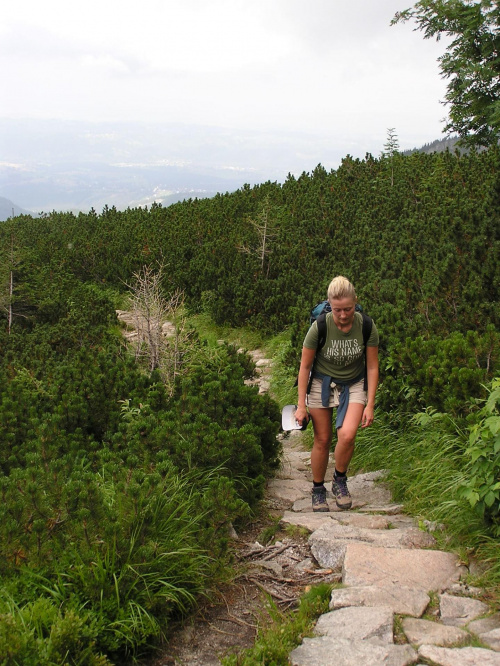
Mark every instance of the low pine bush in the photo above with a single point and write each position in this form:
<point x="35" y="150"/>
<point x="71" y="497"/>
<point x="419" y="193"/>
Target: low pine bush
<point x="442" y="373"/>
<point x="117" y="496"/>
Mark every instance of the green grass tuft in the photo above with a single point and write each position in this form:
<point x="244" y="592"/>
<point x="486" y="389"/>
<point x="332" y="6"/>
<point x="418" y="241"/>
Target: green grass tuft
<point x="282" y="632"/>
<point x="427" y="467"/>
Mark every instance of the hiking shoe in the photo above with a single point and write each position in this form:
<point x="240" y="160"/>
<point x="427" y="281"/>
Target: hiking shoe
<point x="341" y="493"/>
<point x="319" y="502"/>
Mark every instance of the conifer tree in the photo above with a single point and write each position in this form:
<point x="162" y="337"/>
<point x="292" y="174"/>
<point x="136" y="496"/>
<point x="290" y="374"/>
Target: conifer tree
<point x="471" y="63"/>
<point x="391" y="148"/>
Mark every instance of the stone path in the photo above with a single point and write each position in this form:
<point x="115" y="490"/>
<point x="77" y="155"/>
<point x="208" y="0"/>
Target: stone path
<point x="402" y="601"/>
<point x="135" y="323"/>
<point x="263" y="370"/>
<point x="392" y="573"/>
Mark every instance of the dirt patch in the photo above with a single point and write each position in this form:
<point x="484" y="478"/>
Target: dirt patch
<point x="229" y="622"/>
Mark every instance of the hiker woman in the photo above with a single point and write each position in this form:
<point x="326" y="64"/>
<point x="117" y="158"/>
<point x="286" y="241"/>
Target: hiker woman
<point x="344" y="374"/>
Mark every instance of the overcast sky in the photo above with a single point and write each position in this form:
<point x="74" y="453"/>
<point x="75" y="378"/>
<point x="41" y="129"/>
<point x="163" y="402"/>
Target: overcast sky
<point x="330" y="66"/>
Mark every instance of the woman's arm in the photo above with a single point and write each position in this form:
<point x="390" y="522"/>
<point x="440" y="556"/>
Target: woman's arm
<point x="372" y="375"/>
<point x="306" y="364"/>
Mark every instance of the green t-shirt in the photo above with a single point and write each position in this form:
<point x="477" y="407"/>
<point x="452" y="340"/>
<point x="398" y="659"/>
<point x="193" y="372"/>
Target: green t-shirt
<point x="342" y="356"/>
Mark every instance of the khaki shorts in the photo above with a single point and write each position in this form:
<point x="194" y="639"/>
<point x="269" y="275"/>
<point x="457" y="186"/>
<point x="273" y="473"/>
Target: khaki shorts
<point x="356" y="394"/>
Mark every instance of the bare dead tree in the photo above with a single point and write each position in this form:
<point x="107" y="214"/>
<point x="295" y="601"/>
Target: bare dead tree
<point x="265" y="234"/>
<point x="161" y="335"/>
<point x="9" y="264"/>
<point x="149" y="312"/>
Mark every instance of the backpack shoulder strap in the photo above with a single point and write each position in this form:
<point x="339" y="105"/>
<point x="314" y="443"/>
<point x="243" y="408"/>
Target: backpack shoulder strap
<point x="321" y="321"/>
<point x="367" y="328"/>
<point x="367" y="331"/>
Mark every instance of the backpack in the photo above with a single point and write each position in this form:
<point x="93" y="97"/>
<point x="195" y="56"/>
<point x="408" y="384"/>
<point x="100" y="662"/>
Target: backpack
<point x="318" y="314"/>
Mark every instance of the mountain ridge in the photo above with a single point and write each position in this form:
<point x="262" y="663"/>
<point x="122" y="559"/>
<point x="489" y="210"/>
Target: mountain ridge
<point x="9" y="209"/>
<point x="75" y="166"/>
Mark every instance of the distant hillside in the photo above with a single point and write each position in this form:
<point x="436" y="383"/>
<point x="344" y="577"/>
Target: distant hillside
<point x="50" y="165"/>
<point x="8" y="209"/>
<point x="77" y="166"/>
<point x="182" y="196"/>
<point x="82" y="186"/>
<point x="437" y="146"/>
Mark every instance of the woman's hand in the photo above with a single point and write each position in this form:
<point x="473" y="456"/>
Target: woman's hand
<point x="372" y="374"/>
<point x="368" y="416"/>
<point x="301" y="413"/>
<point x="306" y="363"/>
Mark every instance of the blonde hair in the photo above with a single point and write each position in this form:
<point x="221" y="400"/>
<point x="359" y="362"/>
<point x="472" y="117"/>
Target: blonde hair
<point x="340" y="287"/>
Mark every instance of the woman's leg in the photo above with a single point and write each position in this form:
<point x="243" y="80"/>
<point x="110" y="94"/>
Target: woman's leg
<point x="346" y="436"/>
<point x="322" y="425"/>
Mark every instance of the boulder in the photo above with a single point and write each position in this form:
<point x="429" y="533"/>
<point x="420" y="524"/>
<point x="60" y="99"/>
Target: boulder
<point x="310" y="521"/>
<point x="484" y="625"/>
<point x="329" y="542"/>
<point x="492" y="639"/>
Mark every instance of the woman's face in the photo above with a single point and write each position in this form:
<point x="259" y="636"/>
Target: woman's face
<point x="343" y="311"/>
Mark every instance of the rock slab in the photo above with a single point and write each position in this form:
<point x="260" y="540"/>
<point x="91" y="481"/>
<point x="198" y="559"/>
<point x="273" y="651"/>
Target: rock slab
<point x="485" y="625"/>
<point x="358" y="624"/>
<point x="328" y="543"/>
<point x="289" y="489"/>
<point x="326" y="651"/>
<point x="309" y="521"/>
<point x="458" y="611"/>
<point x="400" y="600"/>
<point x="430" y="570"/>
<point x="492" y="639"/>
<point x="425" y="632"/>
<point x="468" y="656"/>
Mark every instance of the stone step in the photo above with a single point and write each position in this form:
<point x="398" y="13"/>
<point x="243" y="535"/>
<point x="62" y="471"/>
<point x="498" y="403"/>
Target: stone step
<point x="399" y="599"/>
<point x="312" y="521"/>
<point x="289" y="489"/>
<point x="431" y="570"/>
<point x="366" y="489"/>
<point x="389" y="566"/>
<point x="488" y="630"/>
<point x="468" y="656"/>
<point x="329" y="542"/>
<point x="459" y="611"/>
<point x="303" y="504"/>
<point x="426" y="632"/>
<point x="358" y="624"/>
<point x="329" y="651"/>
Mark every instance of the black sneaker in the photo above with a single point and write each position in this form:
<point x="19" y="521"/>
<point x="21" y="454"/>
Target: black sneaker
<point x="319" y="502"/>
<point x="341" y="492"/>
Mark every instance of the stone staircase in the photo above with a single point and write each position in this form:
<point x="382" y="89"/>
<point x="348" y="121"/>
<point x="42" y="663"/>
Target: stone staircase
<point x="392" y="574"/>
